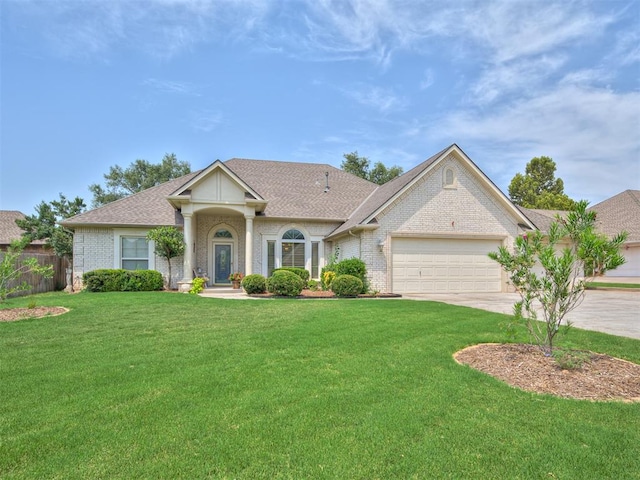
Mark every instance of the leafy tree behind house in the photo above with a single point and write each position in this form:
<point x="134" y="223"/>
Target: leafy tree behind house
<point x="139" y="176"/>
<point x="558" y="286"/>
<point x="359" y="166"/>
<point x="538" y="187"/>
<point x="169" y="243"/>
<point x="44" y="225"/>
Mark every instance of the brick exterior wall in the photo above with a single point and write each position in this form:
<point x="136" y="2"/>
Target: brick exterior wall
<point x="429" y="208"/>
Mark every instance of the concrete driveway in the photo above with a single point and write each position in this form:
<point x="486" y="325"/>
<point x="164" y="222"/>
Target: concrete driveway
<point x="610" y="311"/>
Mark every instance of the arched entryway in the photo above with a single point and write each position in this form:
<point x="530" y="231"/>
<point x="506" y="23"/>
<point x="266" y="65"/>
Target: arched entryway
<point x="222" y="254"/>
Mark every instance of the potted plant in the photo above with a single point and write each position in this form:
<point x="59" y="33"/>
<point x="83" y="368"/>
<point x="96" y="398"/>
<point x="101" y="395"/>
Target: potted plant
<point x="236" y="278"/>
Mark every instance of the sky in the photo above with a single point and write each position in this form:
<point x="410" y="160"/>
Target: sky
<point x="89" y="84"/>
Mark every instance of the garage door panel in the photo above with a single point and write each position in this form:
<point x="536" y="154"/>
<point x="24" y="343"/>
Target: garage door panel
<point x="444" y="266"/>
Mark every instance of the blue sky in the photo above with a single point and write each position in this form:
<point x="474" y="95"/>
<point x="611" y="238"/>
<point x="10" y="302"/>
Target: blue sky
<point x="86" y="85"/>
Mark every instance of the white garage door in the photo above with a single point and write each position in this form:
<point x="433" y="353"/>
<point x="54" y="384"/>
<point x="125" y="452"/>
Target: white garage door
<point x="444" y="266"/>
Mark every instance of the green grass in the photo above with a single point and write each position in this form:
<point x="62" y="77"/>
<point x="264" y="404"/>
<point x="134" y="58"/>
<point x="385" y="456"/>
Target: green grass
<point x="613" y="285"/>
<point x="158" y="385"/>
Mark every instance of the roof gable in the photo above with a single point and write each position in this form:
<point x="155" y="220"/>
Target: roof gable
<point x="387" y="193"/>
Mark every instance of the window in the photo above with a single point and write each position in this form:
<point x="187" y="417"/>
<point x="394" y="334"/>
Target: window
<point x="449" y="178"/>
<point x="271" y="257"/>
<point x="222" y="233"/>
<point x="315" y="257"/>
<point x="135" y="253"/>
<point x="293" y="249"/>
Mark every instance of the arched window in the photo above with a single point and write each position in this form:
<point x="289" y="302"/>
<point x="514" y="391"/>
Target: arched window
<point x="222" y="233"/>
<point x="449" y="177"/>
<point x="293" y="249"/>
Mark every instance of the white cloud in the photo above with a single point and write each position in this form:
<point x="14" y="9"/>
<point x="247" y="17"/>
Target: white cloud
<point x="378" y="98"/>
<point x="427" y="80"/>
<point x="591" y="133"/>
<point x="205" y="120"/>
<point x="169" y="86"/>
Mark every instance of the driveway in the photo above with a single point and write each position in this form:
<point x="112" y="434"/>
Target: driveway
<point x="610" y="311"/>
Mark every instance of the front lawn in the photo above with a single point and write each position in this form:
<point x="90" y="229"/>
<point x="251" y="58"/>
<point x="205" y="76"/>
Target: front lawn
<point x="160" y="385"/>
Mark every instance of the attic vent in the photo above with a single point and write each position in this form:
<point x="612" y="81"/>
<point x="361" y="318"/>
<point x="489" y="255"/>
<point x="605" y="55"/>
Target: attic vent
<point x="327" y="187"/>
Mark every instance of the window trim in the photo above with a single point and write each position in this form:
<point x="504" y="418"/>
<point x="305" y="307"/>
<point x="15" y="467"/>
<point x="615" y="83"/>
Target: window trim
<point x="308" y="249"/>
<point x="118" y="233"/>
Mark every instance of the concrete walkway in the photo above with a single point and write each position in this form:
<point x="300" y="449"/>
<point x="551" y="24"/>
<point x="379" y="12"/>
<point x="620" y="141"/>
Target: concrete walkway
<point x="616" y="312"/>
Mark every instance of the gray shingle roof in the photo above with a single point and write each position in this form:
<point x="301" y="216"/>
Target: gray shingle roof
<point x="9" y="231"/>
<point x="292" y="190"/>
<point x="542" y="219"/>
<point x="618" y="213"/>
<point x="297" y="190"/>
<point x="147" y="208"/>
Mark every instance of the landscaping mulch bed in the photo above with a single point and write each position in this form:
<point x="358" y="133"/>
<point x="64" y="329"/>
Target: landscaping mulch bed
<point x="525" y="366"/>
<point x="15" y="314"/>
<point x="327" y="294"/>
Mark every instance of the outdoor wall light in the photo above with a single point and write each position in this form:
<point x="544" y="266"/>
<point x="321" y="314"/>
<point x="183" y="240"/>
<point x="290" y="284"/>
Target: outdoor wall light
<point x="381" y="244"/>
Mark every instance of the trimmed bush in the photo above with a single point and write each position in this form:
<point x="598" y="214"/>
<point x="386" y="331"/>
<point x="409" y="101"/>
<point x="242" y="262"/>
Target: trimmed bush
<point x="312" y="285"/>
<point x="301" y="272"/>
<point x="119" y="280"/>
<point x="346" y="286"/>
<point x="285" y="283"/>
<point x="354" y="267"/>
<point x="254" y="283"/>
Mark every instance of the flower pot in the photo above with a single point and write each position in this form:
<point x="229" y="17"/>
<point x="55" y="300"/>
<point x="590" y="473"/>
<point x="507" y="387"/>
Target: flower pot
<point x="236" y="284"/>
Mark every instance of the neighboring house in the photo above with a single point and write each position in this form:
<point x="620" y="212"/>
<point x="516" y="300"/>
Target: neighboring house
<point x="10" y="231"/>
<point x="614" y="215"/>
<point x="618" y="213"/>
<point x="428" y="230"/>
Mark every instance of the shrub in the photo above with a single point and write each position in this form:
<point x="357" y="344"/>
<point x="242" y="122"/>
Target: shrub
<point x="254" y="283"/>
<point x="285" y="283"/>
<point x="119" y="280"/>
<point x="346" y="286"/>
<point x="301" y="272"/>
<point x="312" y="285"/>
<point x="326" y="277"/>
<point x="197" y="285"/>
<point x="354" y="267"/>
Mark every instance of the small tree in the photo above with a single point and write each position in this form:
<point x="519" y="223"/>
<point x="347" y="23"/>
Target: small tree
<point x="559" y="285"/>
<point x="12" y="268"/>
<point x="169" y="243"/>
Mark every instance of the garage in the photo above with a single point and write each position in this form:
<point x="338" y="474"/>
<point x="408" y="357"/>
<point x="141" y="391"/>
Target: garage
<point x="444" y="265"/>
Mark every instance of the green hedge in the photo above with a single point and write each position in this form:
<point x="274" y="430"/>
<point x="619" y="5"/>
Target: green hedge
<point x="346" y="286"/>
<point x="285" y="283"/>
<point x="301" y="272"/>
<point x="254" y="283"/>
<point x="354" y="267"/>
<point x="119" y="280"/>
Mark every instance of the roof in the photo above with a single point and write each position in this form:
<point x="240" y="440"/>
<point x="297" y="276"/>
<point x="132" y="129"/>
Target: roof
<point x="146" y="208"/>
<point x="297" y="190"/>
<point x="292" y="190"/>
<point x="618" y="213"/>
<point x="9" y="230"/>
<point x="542" y="219"/>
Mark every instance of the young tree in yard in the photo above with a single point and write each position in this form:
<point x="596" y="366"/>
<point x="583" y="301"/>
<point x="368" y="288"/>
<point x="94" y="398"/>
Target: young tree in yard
<point x="169" y="243"/>
<point x="44" y="224"/>
<point x="359" y="166"/>
<point x="538" y="187"/>
<point x="139" y="176"/>
<point x="550" y="279"/>
<point x="12" y="268"/>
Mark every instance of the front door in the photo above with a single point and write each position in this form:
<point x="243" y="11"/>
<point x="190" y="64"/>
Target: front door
<point x="222" y="262"/>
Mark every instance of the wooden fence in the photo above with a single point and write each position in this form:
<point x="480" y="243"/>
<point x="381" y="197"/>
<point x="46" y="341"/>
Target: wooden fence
<point x="39" y="284"/>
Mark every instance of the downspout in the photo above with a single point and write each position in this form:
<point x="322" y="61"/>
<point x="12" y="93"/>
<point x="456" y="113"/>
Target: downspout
<point x="359" y="243"/>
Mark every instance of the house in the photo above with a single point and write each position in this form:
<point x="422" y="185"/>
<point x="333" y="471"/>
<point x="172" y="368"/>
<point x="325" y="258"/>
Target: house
<point x="10" y="231"/>
<point x="618" y="213"/>
<point x="428" y="230"/>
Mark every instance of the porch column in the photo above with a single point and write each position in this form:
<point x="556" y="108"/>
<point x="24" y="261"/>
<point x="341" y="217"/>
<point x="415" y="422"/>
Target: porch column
<point x="248" y="247"/>
<point x="187" y="274"/>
